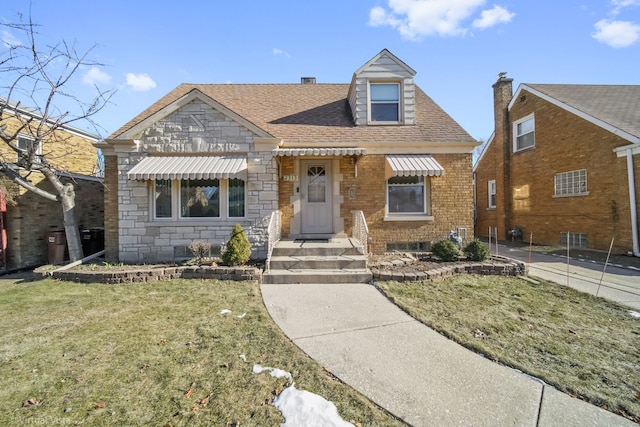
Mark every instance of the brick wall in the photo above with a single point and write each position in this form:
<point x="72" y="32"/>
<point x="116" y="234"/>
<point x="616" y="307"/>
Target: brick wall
<point x="66" y="152"/>
<point x="451" y="201"/>
<point x="563" y="142"/>
<point x="33" y="217"/>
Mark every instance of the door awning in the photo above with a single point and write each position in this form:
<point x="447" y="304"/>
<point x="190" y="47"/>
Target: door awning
<point x="189" y="167"/>
<point x="339" y="151"/>
<point x="412" y="165"/>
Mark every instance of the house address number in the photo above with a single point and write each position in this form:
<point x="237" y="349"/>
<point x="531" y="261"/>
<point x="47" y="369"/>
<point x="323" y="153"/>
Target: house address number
<point x="290" y="177"/>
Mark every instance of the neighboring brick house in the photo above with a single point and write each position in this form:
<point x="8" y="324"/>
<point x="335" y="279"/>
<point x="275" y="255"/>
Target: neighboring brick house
<point x="30" y="218"/>
<point x="562" y="164"/>
<point x="207" y="156"/>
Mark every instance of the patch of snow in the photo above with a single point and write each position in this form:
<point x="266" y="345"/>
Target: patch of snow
<point x="241" y="316"/>
<point x="225" y="311"/>
<point x="303" y="408"/>
<point x="634" y="314"/>
<point x="275" y="372"/>
<point x="244" y="358"/>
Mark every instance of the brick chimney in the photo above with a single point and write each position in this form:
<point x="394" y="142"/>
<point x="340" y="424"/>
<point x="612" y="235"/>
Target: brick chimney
<point x="502" y="94"/>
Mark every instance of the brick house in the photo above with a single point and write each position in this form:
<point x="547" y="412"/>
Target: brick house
<point x="28" y="218"/>
<point x="562" y="164"/>
<point x="207" y="156"/>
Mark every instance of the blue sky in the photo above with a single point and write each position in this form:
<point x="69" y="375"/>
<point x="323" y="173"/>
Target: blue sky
<point x="457" y="47"/>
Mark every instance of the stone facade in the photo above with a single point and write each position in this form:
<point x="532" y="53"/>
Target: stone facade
<point x="199" y="129"/>
<point x="525" y="179"/>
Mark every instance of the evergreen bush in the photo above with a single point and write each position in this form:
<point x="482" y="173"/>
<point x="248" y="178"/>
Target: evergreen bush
<point x="477" y="251"/>
<point x="238" y="250"/>
<point x="446" y="250"/>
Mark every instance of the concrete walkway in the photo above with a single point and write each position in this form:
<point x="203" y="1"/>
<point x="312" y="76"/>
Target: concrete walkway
<point x="412" y="371"/>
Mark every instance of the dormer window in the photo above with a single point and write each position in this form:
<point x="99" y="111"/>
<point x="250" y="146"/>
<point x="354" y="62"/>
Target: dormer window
<point x="384" y="102"/>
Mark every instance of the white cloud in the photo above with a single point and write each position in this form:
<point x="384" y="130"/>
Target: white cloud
<point x="490" y="17"/>
<point x="8" y="39"/>
<point x="277" y="52"/>
<point x="415" y="19"/>
<point x="140" y="82"/>
<point x="95" y="76"/>
<point x="617" y="34"/>
<point x="618" y="5"/>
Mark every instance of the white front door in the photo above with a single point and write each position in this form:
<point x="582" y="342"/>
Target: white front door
<point x="316" y="197"/>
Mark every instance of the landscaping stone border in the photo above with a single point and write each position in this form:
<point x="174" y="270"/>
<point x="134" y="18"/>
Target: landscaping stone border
<point x="153" y="274"/>
<point x="497" y="266"/>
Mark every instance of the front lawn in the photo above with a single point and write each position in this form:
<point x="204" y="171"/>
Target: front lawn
<point x="163" y="354"/>
<point x="582" y="345"/>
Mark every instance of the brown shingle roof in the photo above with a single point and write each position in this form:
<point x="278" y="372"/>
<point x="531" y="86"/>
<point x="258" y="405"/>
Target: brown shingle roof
<point x="617" y="105"/>
<point x="314" y="114"/>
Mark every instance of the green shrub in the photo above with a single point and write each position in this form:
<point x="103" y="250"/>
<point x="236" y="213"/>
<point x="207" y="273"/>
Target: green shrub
<point x="446" y="250"/>
<point x="476" y="251"/>
<point x="238" y="249"/>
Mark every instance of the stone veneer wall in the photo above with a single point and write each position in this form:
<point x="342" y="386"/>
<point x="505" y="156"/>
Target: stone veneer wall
<point x="195" y="128"/>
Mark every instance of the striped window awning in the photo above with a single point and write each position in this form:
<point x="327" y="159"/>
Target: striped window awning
<point x="189" y="167"/>
<point x="341" y="151"/>
<point x="412" y="165"/>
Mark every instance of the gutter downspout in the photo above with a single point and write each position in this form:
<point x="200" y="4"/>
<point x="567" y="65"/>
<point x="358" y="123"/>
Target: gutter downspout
<point x="632" y="203"/>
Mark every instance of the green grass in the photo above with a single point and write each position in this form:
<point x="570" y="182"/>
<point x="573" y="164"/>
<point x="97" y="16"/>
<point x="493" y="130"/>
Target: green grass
<point x="582" y="345"/>
<point x="151" y="354"/>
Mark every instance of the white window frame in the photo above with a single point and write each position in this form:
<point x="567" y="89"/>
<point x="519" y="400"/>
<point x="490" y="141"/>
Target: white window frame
<point x="517" y="134"/>
<point x="176" y="204"/>
<point x="371" y="102"/>
<point x="425" y="215"/>
<point x="27" y="139"/>
<point x="570" y="184"/>
<point x="491" y="194"/>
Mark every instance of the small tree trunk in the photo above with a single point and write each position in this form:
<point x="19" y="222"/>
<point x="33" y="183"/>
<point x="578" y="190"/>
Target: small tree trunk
<point x="74" y="243"/>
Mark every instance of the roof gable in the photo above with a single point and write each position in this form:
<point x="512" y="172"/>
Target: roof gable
<point x="615" y="108"/>
<point x="388" y="62"/>
<point x="137" y="127"/>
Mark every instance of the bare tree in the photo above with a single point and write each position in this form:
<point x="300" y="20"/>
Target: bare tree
<point x="40" y="77"/>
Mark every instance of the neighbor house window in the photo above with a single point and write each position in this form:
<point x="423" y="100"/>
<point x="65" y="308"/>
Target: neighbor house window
<point x="492" y="193"/>
<point x="407" y="195"/>
<point x="575" y="240"/>
<point x="384" y="102"/>
<point x="524" y="134"/>
<point x="26" y="143"/>
<point x="199" y="199"/>
<point x="573" y="183"/>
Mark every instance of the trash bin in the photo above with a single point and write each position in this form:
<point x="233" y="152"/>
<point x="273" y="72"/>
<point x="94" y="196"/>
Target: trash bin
<point x="92" y="240"/>
<point x="57" y="245"/>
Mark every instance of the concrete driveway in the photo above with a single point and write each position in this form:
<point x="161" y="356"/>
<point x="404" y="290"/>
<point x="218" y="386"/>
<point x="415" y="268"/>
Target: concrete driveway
<point x="616" y="283"/>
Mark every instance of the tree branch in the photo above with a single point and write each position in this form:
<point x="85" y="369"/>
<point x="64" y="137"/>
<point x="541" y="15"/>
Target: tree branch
<point x="14" y="176"/>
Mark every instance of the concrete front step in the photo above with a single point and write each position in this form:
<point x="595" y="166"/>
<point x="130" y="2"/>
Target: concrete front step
<point x="306" y="276"/>
<point x="331" y="262"/>
<point x="333" y="247"/>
